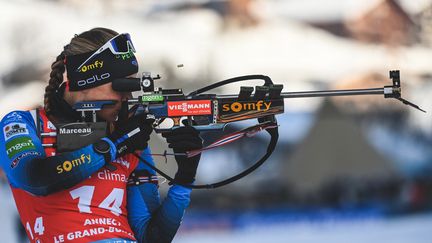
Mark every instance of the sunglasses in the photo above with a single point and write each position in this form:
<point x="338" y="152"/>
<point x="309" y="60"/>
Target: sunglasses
<point x="119" y="44"/>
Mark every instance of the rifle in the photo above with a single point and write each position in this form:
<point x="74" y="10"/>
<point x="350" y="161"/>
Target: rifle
<point x="212" y="112"/>
<point x="203" y="111"/>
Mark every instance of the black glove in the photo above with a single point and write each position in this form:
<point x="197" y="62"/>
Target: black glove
<point x="141" y="126"/>
<point x="181" y="140"/>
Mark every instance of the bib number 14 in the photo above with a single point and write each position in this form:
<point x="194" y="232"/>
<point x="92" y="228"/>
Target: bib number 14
<point x="37" y="229"/>
<point x="85" y="195"/>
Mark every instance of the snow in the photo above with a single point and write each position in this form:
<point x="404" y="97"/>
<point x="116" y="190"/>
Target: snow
<point x="28" y="96"/>
<point x="333" y="10"/>
<point x="412" y="229"/>
<point x="401" y="229"/>
<point x="8" y="214"/>
<point x="289" y="52"/>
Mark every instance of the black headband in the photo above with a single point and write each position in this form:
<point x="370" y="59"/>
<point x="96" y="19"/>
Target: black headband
<point x="101" y="69"/>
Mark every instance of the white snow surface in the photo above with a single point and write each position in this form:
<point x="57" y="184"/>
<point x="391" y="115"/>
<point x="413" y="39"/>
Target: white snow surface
<point x="404" y="229"/>
<point x="409" y="229"/>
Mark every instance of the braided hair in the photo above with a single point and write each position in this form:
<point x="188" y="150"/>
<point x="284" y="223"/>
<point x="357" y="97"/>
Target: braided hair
<point x="85" y="42"/>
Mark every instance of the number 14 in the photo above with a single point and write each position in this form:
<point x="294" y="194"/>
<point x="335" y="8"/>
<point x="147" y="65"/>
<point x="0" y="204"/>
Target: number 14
<point x="85" y="194"/>
<point x="38" y="227"/>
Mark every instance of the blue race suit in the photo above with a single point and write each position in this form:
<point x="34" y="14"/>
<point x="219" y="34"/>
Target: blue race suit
<point x="73" y="197"/>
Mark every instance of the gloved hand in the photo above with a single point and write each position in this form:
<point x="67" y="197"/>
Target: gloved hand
<point x="133" y="135"/>
<point x="181" y="140"/>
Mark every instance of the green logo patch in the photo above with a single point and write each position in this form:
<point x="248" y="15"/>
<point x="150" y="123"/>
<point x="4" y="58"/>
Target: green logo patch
<point x="19" y="145"/>
<point x="152" y="98"/>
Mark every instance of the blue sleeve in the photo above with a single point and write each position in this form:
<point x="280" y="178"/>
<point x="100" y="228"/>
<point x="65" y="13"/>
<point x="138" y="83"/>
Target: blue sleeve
<point x="23" y="159"/>
<point x="151" y="220"/>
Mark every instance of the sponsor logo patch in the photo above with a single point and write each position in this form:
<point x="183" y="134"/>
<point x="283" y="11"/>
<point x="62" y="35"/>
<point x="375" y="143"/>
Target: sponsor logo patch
<point x="111" y="176"/>
<point x="68" y="165"/>
<point x="76" y="129"/>
<point x="96" y="65"/>
<point x="152" y="98"/>
<point x="247" y="106"/>
<point x="19" y="145"/>
<point x="23" y="155"/>
<point x="14" y="116"/>
<point x="93" y="79"/>
<point x="189" y="108"/>
<point x="230" y="111"/>
<point x="14" y="129"/>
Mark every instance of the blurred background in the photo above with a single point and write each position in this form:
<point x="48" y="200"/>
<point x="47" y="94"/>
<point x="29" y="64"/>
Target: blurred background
<point x="352" y="169"/>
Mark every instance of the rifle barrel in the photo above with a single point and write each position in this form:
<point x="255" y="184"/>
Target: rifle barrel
<point x="323" y="93"/>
